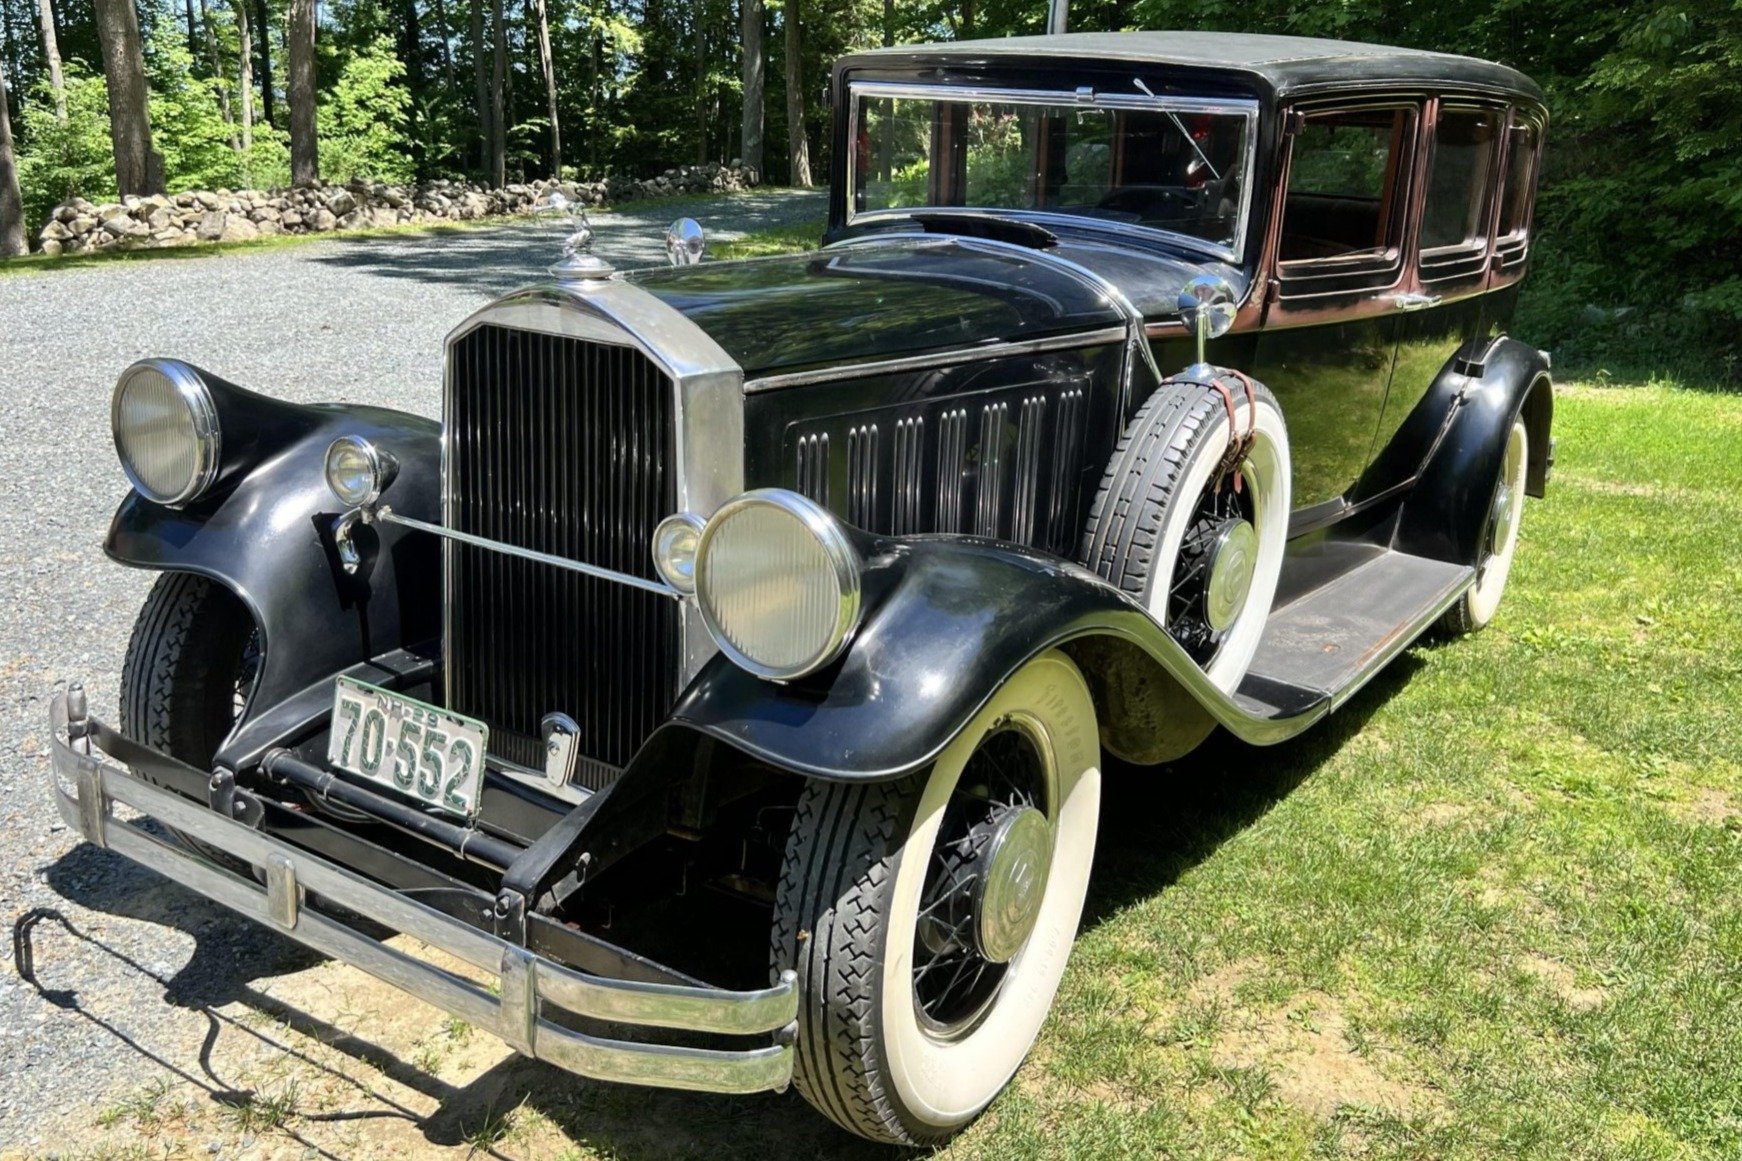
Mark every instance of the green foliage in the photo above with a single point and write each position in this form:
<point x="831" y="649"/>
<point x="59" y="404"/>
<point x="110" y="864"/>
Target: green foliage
<point x="362" y="118"/>
<point x="186" y="125"/>
<point x="74" y="159"/>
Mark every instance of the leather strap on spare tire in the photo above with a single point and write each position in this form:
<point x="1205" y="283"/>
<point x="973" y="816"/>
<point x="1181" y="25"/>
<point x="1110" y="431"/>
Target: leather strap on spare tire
<point x="1200" y="459"/>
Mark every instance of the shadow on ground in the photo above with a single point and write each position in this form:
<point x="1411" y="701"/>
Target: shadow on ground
<point x="1157" y="824"/>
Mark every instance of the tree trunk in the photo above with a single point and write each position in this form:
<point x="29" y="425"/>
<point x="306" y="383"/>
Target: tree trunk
<point x="263" y="28"/>
<point x="545" y="62"/>
<point x="51" y="56"/>
<point x="888" y="23"/>
<point x="441" y="13"/>
<point x="750" y="36"/>
<point x="798" y="151"/>
<point x="498" y="97"/>
<point x="193" y="31"/>
<point x="12" y="239"/>
<point x="701" y="84"/>
<point x="481" y="82"/>
<point x="305" y="163"/>
<point x="218" y="80"/>
<point x="245" y="33"/>
<point x="138" y="170"/>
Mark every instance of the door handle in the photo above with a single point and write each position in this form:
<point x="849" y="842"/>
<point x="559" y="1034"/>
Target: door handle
<point x="1411" y="301"/>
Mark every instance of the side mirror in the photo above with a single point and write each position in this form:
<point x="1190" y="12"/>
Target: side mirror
<point x="685" y="242"/>
<point x="1206" y="306"/>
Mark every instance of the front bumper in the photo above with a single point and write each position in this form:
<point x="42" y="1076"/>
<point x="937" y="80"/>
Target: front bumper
<point x="86" y="781"/>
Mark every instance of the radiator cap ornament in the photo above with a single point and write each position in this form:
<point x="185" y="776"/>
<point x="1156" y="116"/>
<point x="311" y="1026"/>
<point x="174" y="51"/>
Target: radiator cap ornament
<point x="578" y="263"/>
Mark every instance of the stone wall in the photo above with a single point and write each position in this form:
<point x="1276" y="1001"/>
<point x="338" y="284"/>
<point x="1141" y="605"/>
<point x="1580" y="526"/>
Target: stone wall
<point x="197" y="216"/>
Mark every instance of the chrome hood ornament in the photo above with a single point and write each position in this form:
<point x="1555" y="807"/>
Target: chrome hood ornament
<point x="578" y="262"/>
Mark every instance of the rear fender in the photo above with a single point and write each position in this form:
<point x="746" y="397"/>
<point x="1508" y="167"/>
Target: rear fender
<point x="1443" y="515"/>
<point x="267" y="537"/>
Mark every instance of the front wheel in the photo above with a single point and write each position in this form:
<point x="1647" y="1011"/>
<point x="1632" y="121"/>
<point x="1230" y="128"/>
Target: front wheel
<point x="190" y="669"/>
<point x="929" y="919"/>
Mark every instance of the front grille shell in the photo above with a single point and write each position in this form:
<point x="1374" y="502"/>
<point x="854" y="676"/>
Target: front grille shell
<point x="647" y="420"/>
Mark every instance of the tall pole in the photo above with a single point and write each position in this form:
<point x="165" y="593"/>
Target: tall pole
<point x="1058" y="15"/>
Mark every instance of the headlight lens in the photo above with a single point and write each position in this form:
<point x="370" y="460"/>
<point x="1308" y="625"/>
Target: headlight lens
<point x="357" y="471"/>
<point x="166" y="430"/>
<point x="674" y="549"/>
<point x="778" y="583"/>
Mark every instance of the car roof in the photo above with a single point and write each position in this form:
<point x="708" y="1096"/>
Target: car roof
<point x="1287" y="64"/>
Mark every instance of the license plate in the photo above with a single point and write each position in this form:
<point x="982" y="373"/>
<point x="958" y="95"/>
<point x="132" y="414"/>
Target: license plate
<point x="425" y="753"/>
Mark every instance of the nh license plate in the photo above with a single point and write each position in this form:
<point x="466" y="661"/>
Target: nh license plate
<point x="425" y="753"/>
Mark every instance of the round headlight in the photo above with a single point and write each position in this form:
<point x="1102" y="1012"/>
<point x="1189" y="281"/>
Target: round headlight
<point x="166" y="430"/>
<point x="778" y="583"/>
<point x="674" y="549"/>
<point x="357" y="471"/>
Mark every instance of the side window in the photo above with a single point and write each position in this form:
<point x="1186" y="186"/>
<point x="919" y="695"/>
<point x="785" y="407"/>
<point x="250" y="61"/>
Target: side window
<point x="1517" y="200"/>
<point x="1520" y="182"/>
<point x="1345" y="171"/>
<point x="1465" y="149"/>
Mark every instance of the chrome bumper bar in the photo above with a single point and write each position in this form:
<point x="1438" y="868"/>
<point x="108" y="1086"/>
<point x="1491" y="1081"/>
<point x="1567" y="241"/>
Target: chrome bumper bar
<point x="86" y="782"/>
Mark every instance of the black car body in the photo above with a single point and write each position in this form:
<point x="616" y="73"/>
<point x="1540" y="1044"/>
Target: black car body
<point x="936" y="518"/>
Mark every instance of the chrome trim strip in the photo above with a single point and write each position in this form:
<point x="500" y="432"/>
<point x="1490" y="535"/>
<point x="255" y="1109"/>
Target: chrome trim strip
<point x="1076" y="102"/>
<point x="389" y="516"/>
<point x="525" y="982"/>
<point x="947" y="358"/>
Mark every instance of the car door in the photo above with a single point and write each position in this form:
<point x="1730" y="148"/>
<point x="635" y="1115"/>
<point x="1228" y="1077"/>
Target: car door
<point x="1443" y="302"/>
<point x="1338" y="260"/>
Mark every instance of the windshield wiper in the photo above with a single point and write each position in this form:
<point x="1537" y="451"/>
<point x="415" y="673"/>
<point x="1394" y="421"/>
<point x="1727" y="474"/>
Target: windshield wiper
<point x="1174" y="117"/>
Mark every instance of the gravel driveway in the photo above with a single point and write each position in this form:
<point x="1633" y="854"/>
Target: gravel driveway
<point x="163" y="1013"/>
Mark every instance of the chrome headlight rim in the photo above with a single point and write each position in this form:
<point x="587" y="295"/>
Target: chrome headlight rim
<point x="381" y="468"/>
<point x="203" y="416"/>
<point x="843" y="559"/>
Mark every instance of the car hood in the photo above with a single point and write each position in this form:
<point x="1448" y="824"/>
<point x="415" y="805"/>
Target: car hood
<point x="900" y="297"/>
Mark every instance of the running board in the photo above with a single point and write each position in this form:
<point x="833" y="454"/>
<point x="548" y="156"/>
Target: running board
<point x="1320" y="649"/>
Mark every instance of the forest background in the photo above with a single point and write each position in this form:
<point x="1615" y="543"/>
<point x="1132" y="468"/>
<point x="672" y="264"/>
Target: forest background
<point x="1638" y="266"/>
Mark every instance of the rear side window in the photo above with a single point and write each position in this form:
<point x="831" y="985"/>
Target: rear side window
<point x="1342" y="187"/>
<point x="1464" y="153"/>
<point x="1515" y="195"/>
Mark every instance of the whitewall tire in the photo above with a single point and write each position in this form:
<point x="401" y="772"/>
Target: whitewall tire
<point x="930" y="919"/>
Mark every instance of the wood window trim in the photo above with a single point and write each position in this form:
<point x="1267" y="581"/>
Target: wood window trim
<point x="1367" y="277"/>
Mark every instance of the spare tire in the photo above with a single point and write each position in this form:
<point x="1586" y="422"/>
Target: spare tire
<point x="1198" y="543"/>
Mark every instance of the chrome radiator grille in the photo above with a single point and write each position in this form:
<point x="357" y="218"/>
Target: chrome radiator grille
<point x="567" y="447"/>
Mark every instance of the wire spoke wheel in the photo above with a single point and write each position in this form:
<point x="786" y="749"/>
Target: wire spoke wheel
<point x="929" y="919"/>
<point x="988" y="833"/>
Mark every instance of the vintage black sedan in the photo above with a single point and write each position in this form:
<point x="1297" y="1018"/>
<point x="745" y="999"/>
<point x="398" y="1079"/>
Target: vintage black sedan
<point x="727" y="678"/>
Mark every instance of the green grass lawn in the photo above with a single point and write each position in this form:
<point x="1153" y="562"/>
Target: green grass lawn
<point x="1493" y="909"/>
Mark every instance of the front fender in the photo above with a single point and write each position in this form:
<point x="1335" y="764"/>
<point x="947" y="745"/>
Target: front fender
<point x="957" y="619"/>
<point x="268" y="538"/>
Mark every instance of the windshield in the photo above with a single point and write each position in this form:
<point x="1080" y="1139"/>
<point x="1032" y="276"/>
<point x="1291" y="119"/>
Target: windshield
<point x="1179" y="166"/>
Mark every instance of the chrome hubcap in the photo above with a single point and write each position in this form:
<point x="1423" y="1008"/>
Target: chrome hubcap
<point x="1011" y="881"/>
<point x="1233" y="559"/>
<point x="1500" y="523"/>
